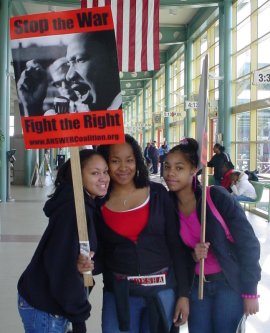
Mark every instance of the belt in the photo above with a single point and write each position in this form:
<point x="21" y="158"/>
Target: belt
<point x="154" y="279"/>
<point x="212" y="277"/>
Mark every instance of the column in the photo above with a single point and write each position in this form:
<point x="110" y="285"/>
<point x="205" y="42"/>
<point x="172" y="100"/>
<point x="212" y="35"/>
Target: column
<point x="4" y="144"/>
<point x="225" y="114"/>
<point x="188" y="81"/>
<point x="167" y="103"/>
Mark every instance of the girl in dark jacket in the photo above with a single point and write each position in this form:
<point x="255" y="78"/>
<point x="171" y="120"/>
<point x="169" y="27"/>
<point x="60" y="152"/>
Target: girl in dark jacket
<point x="232" y="268"/>
<point x="51" y="290"/>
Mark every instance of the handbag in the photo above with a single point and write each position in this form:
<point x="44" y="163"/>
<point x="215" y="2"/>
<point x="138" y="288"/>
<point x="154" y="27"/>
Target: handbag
<point x="241" y="328"/>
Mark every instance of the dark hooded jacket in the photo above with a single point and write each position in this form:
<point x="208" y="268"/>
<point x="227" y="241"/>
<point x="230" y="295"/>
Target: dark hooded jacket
<point x="51" y="282"/>
<point x="239" y="260"/>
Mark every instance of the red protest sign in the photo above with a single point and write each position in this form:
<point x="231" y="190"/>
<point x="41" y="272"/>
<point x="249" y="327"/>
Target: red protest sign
<point x="71" y="130"/>
<point x="67" y="78"/>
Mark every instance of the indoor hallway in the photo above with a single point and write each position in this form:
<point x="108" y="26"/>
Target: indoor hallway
<point x="21" y="225"/>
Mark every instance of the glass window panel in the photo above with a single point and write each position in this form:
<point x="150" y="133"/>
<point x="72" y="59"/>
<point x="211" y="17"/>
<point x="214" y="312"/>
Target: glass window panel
<point x="243" y="138"/>
<point x="11" y="125"/>
<point x="243" y="126"/>
<point x="261" y="2"/>
<point x="203" y="44"/>
<point x="217" y="32"/>
<point x="263" y="55"/>
<point x="243" y="63"/>
<point x="243" y="91"/>
<point x="217" y="55"/>
<point x="243" y="35"/>
<point x="263" y="91"/>
<point x="263" y="138"/>
<point x="263" y="20"/>
<point x="243" y="10"/>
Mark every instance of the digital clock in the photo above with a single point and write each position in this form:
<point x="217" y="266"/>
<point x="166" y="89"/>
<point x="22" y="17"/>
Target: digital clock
<point x="261" y="77"/>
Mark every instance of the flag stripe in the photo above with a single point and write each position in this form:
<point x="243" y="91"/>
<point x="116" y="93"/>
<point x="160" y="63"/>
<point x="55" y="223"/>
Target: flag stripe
<point x="138" y="45"/>
<point x="136" y="25"/>
<point x="132" y="33"/>
<point x="156" y="35"/>
<point x="144" y="35"/>
<point x="119" y="36"/>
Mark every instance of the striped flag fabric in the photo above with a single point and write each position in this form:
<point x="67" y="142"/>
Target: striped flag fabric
<point x="136" y="24"/>
<point x="202" y="114"/>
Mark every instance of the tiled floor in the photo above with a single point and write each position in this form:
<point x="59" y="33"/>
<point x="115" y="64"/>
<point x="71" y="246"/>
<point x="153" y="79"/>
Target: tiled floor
<point x="21" y="224"/>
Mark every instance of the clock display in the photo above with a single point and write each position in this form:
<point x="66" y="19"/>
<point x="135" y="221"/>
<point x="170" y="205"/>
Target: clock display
<point x="261" y="77"/>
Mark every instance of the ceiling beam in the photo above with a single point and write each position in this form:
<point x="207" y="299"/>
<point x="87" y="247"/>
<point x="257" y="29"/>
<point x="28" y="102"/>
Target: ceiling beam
<point x="136" y="84"/>
<point x="172" y="35"/>
<point x="189" y="3"/>
<point x="65" y="3"/>
<point x="138" y="76"/>
<point x="163" y="3"/>
<point x="131" y="92"/>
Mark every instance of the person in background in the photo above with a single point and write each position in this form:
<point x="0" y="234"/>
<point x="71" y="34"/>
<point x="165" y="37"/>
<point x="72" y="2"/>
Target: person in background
<point x="153" y="155"/>
<point x="145" y="275"/>
<point x="226" y="178"/>
<point x="163" y="150"/>
<point x="146" y="156"/>
<point x="231" y="268"/>
<point x="241" y="188"/>
<point x="51" y="291"/>
<point x="217" y="162"/>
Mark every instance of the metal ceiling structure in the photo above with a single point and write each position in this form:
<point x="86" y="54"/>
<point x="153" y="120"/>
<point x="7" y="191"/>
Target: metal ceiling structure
<point x="178" y="20"/>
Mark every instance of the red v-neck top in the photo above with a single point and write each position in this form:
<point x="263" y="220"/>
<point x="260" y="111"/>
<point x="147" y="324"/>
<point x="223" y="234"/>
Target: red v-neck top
<point x="129" y="223"/>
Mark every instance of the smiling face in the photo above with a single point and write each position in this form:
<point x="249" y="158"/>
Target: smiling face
<point x="178" y="172"/>
<point x="95" y="176"/>
<point x="92" y="72"/>
<point x="122" y="164"/>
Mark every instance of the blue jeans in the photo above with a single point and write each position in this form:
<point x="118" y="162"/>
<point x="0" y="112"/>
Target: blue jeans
<point x="139" y="322"/>
<point x="220" y="310"/>
<point x="35" y="321"/>
<point x="243" y="198"/>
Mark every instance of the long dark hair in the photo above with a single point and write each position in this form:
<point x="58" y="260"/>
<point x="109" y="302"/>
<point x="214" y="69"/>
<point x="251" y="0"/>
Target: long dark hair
<point x="189" y="148"/>
<point x="64" y="175"/>
<point x="141" y="179"/>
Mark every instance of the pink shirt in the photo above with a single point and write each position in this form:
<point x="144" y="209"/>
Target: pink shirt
<point x="190" y="232"/>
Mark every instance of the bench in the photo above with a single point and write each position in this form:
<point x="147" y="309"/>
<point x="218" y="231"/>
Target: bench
<point x="259" y="192"/>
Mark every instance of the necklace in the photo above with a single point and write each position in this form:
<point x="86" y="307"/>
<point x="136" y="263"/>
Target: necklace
<point x="127" y="197"/>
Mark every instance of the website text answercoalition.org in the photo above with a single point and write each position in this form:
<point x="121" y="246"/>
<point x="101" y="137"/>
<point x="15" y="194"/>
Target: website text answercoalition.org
<point x="75" y="139"/>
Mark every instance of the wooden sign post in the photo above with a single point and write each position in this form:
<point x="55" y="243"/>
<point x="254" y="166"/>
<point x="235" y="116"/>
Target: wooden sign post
<point x="80" y="209"/>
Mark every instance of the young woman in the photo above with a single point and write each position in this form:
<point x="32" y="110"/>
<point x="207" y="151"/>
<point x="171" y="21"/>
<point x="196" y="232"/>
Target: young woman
<point x="217" y="162"/>
<point x="232" y="269"/>
<point x="145" y="276"/>
<point x="51" y="290"/>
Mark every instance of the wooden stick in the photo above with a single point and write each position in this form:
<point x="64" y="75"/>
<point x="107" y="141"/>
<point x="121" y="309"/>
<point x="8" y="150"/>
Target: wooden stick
<point x="80" y="209"/>
<point x="203" y="226"/>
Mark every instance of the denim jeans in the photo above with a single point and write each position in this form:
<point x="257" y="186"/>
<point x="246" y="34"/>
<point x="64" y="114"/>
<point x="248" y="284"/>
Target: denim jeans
<point x="220" y="310"/>
<point x="35" y="321"/>
<point x="138" y="312"/>
<point x="243" y="198"/>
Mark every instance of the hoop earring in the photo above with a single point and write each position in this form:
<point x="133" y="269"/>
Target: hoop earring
<point x="138" y="173"/>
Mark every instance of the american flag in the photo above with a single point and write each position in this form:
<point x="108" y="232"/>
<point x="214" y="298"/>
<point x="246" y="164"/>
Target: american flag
<point x="136" y="24"/>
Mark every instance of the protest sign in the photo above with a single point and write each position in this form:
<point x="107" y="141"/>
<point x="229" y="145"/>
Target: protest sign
<point x="66" y="71"/>
<point x="67" y="77"/>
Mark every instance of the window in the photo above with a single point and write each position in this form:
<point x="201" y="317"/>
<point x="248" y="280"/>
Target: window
<point x="11" y="126"/>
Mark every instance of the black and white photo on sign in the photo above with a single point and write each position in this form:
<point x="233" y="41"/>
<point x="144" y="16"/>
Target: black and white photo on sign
<point x="67" y="73"/>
